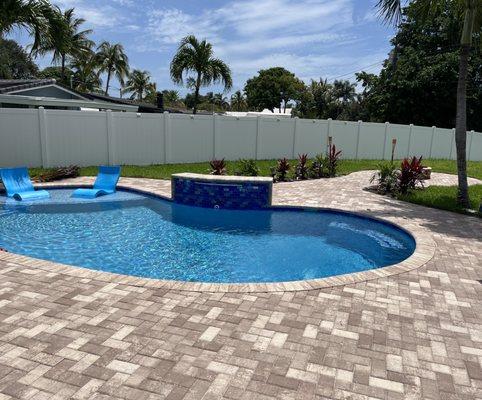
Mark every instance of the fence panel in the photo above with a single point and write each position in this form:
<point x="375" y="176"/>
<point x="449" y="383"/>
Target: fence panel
<point x="344" y="135"/>
<point x="236" y="137"/>
<point x="138" y="140"/>
<point x="420" y="140"/>
<point x="75" y="137"/>
<point x="20" y="138"/>
<point x="275" y="138"/>
<point x="372" y="138"/>
<point x="191" y="138"/>
<point x="311" y="137"/>
<point x="442" y="143"/>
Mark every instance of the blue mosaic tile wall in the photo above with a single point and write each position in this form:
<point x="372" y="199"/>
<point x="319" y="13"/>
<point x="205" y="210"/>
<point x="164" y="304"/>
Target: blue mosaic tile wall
<point x="229" y="195"/>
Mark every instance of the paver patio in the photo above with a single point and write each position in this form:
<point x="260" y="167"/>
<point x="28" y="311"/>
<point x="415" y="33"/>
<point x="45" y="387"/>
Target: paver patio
<point x="416" y="335"/>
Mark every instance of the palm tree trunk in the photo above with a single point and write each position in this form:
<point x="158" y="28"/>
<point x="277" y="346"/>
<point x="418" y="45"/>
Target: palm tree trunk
<point x="196" y="93"/>
<point x="461" y="127"/>
<point x="107" y="84"/>
<point x="62" y="69"/>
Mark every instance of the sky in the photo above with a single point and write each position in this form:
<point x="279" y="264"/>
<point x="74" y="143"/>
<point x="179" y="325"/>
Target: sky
<point x="311" y="38"/>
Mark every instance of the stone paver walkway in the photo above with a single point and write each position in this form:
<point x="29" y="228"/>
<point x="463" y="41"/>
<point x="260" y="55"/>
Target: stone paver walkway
<point x="417" y="335"/>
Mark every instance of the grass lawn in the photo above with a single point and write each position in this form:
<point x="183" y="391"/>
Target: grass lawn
<point x="346" y="167"/>
<point x="443" y="197"/>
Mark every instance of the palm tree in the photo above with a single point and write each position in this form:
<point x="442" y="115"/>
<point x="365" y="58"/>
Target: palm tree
<point x="344" y="90"/>
<point x="197" y="57"/>
<point x="112" y="60"/>
<point x="66" y="40"/>
<point x="470" y="12"/>
<point x="171" y="97"/>
<point x="86" y="78"/>
<point x="238" y="101"/>
<point x="36" y="16"/>
<point x="138" y="83"/>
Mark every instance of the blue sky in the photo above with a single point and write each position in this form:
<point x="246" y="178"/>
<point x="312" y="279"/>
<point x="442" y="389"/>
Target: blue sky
<point x="312" y="38"/>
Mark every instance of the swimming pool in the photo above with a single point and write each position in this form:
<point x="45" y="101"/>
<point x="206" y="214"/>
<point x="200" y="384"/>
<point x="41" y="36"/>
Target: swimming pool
<point x="135" y="234"/>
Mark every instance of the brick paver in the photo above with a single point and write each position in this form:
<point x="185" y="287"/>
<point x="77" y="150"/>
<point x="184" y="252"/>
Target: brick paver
<point x="416" y="335"/>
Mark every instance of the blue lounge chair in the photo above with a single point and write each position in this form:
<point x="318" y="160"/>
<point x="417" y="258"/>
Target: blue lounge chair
<point x="104" y="184"/>
<point x="19" y="186"/>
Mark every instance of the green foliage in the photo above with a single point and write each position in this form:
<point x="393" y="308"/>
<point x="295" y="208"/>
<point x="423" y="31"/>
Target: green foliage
<point x="218" y="167"/>
<point x="302" y="170"/>
<point x="272" y="88"/>
<point x="238" y="102"/>
<point x="196" y="57"/>
<point x="280" y="172"/>
<point x="318" y="167"/>
<point x="56" y="73"/>
<point x="248" y="168"/>
<point x="418" y="83"/>
<point x="112" y="59"/>
<point x="386" y="177"/>
<point x="15" y="63"/>
<point x="85" y="73"/>
<point x="333" y="160"/>
<point x="139" y="84"/>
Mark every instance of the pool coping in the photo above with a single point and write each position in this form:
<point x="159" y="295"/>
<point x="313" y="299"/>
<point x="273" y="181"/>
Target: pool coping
<point x="424" y="251"/>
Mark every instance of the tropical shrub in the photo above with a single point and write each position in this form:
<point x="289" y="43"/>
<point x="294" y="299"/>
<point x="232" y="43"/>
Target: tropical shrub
<point x="333" y="159"/>
<point x="218" y="167"/>
<point x="280" y="172"/>
<point x="247" y="168"/>
<point x="386" y="177"/>
<point x="301" y="172"/>
<point x="318" y="167"/>
<point x="410" y="174"/>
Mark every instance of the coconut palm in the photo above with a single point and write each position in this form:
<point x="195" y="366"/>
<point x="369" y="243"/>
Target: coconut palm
<point x="196" y="57"/>
<point x="66" y="40"/>
<point x="86" y="78"/>
<point x="171" y="97"/>
<point x="36" y="16"/>
<point x="470" y="12"/>
<point x="139" y="84"/>
<point x="238" y="101"/>
<point x="112" y="60"/>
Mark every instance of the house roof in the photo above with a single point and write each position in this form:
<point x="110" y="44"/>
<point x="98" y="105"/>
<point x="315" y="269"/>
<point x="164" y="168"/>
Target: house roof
<point x="12" y="85"/>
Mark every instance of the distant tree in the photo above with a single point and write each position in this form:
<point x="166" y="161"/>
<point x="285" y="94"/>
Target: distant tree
<point x="56" y="73"/>
<point x="85" y="74"/>
<point x="138" y="84"/>
<point x="196" y="57"/>
<point x="15" y="63"/>
<point x="66" y="40"/>
<point x="272" y="88"/>
<point x="238" y="101"/>
<point x="172" y="98"/>
<point x="468" y="13"/>
<point x="112" y="60"/>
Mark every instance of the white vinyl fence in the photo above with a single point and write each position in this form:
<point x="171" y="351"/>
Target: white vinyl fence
<point x="39" y="137"/>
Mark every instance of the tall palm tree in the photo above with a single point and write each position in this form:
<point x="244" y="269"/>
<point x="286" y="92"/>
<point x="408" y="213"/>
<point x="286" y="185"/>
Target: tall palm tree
<point x="86" y="78"/>
<point x="238" y="101"/>
<point x="196" y="57"/>
<point x="66" y="39"/>
<point x="112" y="60"/>
<point x="36" y="16"/>
<point x="138" y="83"/>
<point x="470" y="12"/>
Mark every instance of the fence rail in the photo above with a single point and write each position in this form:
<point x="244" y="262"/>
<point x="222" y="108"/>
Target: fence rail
<point x="39" y="137"/>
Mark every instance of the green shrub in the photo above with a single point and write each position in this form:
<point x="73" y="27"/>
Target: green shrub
<point x="248" y="168"/>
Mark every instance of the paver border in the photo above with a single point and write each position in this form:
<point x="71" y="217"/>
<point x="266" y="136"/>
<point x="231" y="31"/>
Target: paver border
<point x="424" y="251"/>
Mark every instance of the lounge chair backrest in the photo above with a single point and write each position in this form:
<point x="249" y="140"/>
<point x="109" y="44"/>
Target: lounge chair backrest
<point x="16" y="180"/>
<point x="107" y="177"/>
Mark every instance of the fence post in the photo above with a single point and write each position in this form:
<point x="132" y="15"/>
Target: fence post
<point x="110" y="138"/>
<point x="42" y="120"/>
<point x="214" y="136"/>
<point x="167" y="137"/>
<point x="431" y="141"/>
<point x="256" y="148"/>
<point x="409" y="140"/>
<point x="295" y="136"/>
<point x="452" y="143"/>
<point x="469" y="150"/>
<point x="358" y="138"/>
<point x="387" y="126"/>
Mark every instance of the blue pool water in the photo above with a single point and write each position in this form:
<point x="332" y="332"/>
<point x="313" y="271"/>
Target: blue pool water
<point x="134" y="234"/>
